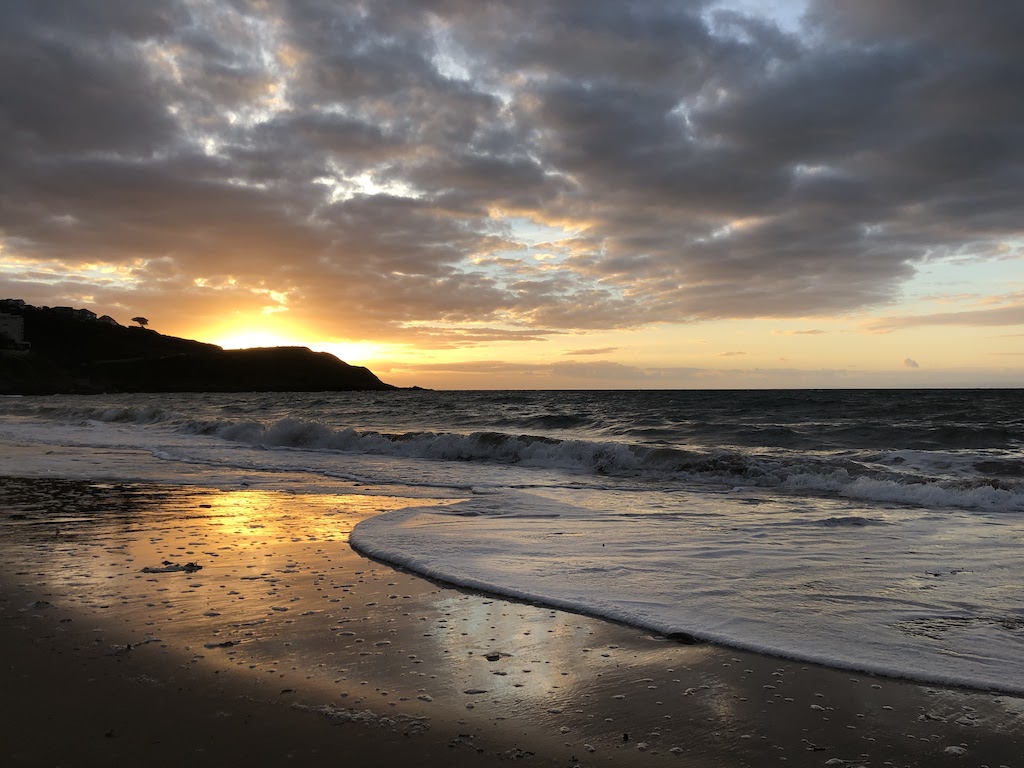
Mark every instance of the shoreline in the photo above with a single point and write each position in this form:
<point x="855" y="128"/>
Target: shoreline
<point x="285" y="641"/>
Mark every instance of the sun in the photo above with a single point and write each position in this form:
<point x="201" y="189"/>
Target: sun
<point x="251" y="338"/>
<point x="245" y="332"/>
<point x="249" y="334"/>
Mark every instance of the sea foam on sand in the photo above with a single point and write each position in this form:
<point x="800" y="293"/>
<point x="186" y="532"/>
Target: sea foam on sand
<point x="886" y="591"/>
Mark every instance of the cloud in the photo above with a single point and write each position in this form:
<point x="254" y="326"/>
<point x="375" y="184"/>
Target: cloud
<point x="908" y="363"/>
<point x="598" y="351"/>
<point x="730" y="354"/>
<point x="999" y="316"/>
<point x="371" y="162"/>
<point x="809" y="332"/>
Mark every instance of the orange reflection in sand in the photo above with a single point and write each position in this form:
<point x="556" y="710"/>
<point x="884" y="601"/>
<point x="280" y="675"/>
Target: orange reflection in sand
<point x="275" y="598"/>
<point x="274" y="513"/>
<point x="85" y="551"/>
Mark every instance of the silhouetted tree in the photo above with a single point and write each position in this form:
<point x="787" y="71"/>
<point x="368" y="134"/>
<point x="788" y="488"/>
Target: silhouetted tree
<point x="143" y="322"/>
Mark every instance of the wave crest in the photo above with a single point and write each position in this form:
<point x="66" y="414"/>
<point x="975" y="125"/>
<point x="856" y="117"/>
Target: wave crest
<point x="842" y="476"/>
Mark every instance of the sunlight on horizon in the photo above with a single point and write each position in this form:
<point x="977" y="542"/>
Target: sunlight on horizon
<point x="359" y="352"/>
<point x="250" y="339"/>
<point x="242" y="337"/>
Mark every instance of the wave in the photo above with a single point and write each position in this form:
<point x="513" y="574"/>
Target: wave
<point x="983" y="479"/>
<point x="864" y="478"/>
<point x="141" y="414"/>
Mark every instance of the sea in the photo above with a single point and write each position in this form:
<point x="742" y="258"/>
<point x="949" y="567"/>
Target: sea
<point x="875" y="531"/>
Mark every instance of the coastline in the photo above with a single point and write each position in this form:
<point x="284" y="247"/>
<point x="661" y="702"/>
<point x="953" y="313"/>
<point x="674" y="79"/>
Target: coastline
<point x="287" y="644"/>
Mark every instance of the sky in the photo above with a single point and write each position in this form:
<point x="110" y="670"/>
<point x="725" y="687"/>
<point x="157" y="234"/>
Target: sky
<point x="541" y="194"/>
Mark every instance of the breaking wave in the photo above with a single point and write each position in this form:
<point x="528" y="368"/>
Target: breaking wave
<point x="857" y="478"/>
<point x="988" y="478"/>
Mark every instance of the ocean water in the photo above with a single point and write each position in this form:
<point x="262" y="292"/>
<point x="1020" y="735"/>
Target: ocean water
<point x="878" y="531"/>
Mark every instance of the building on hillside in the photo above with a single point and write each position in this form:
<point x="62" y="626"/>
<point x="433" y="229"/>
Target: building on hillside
<point x="12" y="326"/>
<point x="12" y="331"/>
<point x="77" y="314"/>
<point x="13" y="303"/>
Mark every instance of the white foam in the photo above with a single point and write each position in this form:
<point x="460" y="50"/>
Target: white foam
<point x="892" y="594"/>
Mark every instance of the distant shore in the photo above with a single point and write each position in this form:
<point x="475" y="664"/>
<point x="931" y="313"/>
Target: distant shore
<point x="279" y="643"/>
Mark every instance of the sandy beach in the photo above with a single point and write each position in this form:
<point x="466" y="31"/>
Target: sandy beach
<point x="144" y="623"/>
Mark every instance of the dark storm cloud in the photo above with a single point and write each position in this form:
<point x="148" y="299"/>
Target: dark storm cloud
<point x="369" y="162"/>
<point x="70" y="80"/>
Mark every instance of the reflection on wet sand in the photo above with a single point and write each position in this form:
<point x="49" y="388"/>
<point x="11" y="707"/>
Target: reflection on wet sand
<point x="275" y="591"/>
<point x="276" y="602"/>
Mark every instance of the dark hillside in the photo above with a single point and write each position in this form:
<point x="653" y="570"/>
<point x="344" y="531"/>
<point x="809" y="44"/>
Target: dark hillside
<point x="70" y="354"/>
<point x="270" y="369"/>
<point x="76" y="342"/>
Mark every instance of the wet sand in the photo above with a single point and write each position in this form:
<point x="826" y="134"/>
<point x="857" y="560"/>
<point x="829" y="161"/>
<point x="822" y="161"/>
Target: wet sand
<point x="151" y="624"/>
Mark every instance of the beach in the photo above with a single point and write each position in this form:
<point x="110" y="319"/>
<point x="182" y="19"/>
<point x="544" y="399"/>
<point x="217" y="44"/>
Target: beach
<point x="552" y="383"/>
<point x="154" y="623"/>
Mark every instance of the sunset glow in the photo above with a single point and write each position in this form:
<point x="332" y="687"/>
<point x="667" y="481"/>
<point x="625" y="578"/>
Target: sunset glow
<point x="251" y="331"/>
<point x="738" y="193"/>
<point x="262" y="332"/>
